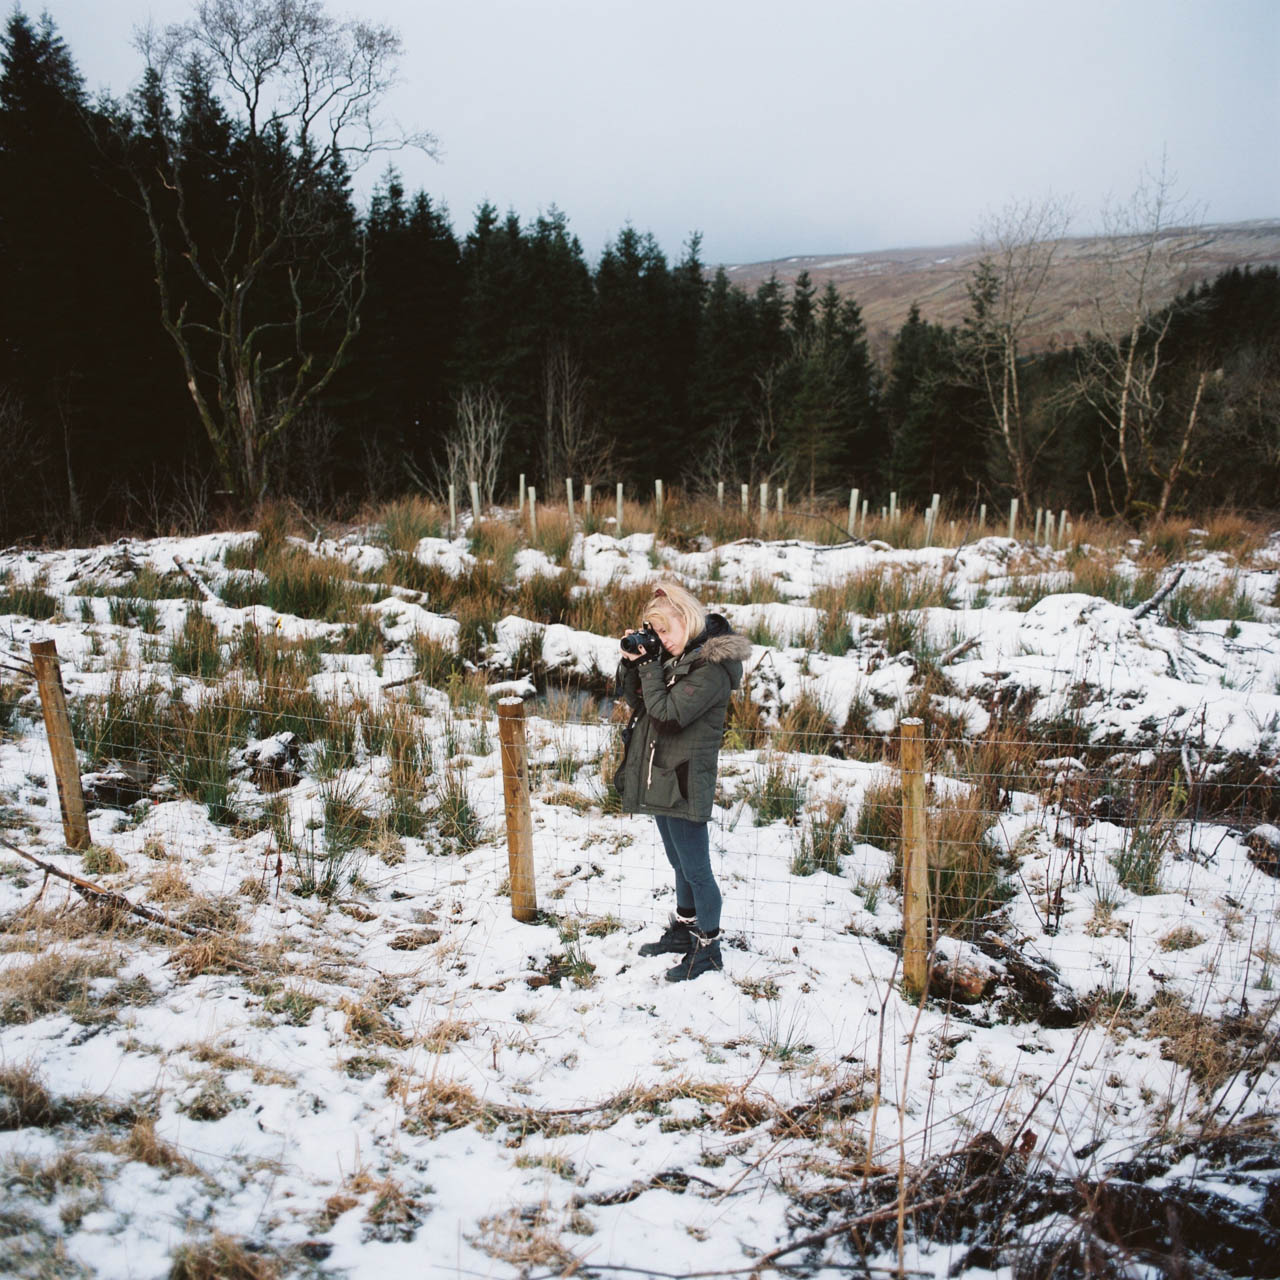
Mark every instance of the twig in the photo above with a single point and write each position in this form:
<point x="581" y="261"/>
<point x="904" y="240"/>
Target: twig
<point x="105" y="897"/>
<point x="951" y="568"/>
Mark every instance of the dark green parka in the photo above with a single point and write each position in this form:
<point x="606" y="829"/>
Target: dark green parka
<point x="671" y="760"/>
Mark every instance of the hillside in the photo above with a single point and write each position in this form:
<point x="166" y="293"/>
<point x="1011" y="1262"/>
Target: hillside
<point x="887" y="282"/>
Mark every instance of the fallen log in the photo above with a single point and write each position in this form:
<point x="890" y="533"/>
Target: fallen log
<point x="1147" y="605"/>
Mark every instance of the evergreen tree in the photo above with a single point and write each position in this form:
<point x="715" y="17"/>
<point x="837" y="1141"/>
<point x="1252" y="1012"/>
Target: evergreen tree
<point x="402" y="363"/>
<point x="629" y="333"/>
<point x="77" y="322"/>
<point x="800" y="313"/>
<point x="935" y="445"/>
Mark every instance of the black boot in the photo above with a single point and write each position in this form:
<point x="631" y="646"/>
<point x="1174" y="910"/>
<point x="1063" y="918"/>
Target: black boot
<point x="705" y="955"/>
<point x="676" y="940"/>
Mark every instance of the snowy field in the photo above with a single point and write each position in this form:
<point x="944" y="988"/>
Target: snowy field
<point x="383" y="1074"/>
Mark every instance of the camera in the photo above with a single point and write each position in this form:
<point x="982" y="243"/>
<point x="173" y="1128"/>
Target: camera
<point x="644" y="642"/>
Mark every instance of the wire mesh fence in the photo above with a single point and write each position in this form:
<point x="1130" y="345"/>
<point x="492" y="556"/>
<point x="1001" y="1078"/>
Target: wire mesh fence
<point x="1109" y="861"/>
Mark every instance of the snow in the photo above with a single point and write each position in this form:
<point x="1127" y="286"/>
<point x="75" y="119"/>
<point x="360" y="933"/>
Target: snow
<point x="810" y="998"/>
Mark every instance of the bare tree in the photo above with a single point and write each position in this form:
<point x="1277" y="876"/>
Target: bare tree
<point x="1140" y="264"/>
<point x="1019" y="245"/>
<point x="716" y="458"/>
<point x="764" y="461"/>
<point x="473" y="451"/>
<point x="262" y="305"/>
<point x="573" y="443"/>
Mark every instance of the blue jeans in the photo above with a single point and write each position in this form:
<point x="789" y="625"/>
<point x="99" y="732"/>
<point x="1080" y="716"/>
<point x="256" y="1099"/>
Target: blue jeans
<point x="688" y="847"/>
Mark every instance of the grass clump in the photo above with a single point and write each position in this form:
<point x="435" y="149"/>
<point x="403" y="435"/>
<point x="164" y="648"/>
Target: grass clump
<point x="54" y="982"/>
<point x="27" y="600"/>
<point x="222" y="1257"/>
<point x="98" y="860"/>
<point x="805" y="726"/>
<point x="1225" y="600"/>
<point x="827" y="837"/>
<point x="25" y="1101"/>
<point x="406" y="521"/>
<point x="197" y="649"/>
<point x="777" y="794"/>
<point x="454" y="815"/>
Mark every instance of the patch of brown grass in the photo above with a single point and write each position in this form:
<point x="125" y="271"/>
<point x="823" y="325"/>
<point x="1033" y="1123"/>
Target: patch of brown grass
<point x="56" y="981"/>
<point x="526" y="1237"/>
<point x="439" y="1105"/>
<point x="169" y="885"/>
<point x="25" y="1102"/>
<point x="1230" y="531"/>
<point x="143" y="1144"/>
<point x="1211" y="1050"/>
<point x="393" y="1214"/>
<point x="367" y="1024"/>
<point x="45" y="1178"/>
<point x="212" y="953"/>
<point x="222" y="1257"/>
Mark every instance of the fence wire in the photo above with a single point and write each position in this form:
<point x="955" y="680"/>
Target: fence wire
<point x="1107" y="859"/>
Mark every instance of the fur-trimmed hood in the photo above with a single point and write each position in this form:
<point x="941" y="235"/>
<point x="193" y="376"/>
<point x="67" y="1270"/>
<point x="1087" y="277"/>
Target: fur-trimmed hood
<point x="723" y="643"/>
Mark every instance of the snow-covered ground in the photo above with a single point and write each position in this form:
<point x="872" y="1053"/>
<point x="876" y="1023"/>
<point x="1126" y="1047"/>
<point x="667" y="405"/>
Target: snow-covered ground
<point x="407" y="1081"/>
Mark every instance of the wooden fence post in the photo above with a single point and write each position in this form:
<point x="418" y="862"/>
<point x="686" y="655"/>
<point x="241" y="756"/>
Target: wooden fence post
<point x="533" y="512"/>
<point x="62" y="747"/>
<point x="475" y="505"/>
<point x="515" y="791"/>
<point x="915" y="861"/>
<point x="657" y="496"/>
<point x="618" y="530"/>
<point x="568" y="493"/>
<point x="520" y="503"/>
<point x="1013" y="516"/>
<point x="746" y="500"/>
<point x="586" y="502"/>
<point x="453" y="511"/>
<point x="764" y="504"/>
<point x="853" y="511"/>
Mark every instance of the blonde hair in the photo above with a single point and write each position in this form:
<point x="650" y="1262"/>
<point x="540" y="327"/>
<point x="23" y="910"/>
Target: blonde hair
<point x="672" y="603"/>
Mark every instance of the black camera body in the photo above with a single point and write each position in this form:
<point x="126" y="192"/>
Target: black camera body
<point x="644" y="643"/>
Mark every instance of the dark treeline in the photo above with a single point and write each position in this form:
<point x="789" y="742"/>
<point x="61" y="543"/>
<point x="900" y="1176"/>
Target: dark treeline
<point x="192" y="305"/>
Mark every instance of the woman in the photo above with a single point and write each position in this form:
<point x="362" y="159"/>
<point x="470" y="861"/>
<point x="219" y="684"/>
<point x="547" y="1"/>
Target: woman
<point x="677" y="684"/>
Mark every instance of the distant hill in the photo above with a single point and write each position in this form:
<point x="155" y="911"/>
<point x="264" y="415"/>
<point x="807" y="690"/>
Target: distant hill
<point x="886" y="283"/>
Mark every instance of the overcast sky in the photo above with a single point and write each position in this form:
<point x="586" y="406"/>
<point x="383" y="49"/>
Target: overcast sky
<point x="811" y="126"/>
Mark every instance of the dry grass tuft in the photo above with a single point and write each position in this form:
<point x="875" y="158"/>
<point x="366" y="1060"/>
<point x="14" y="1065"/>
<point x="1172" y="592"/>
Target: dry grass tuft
<point x="213" y="952"/>
<point x="143" y="1144"/>
<point x="97" y="860"/>
<point x="367" y="1023"/>
<point x="55" y="982"/>
<point x="169" y="885"/>
<point x="446" y="1032"/>
<point x="393" y="1214"/>
<point x="25" y="1102"/>
<point x="1211" y="1050"/>
<point x="526" y="1237"/>
<point x="45" y="1178"/>
<point x="222" y="1257"/>
<point x="440" y="1105"/>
